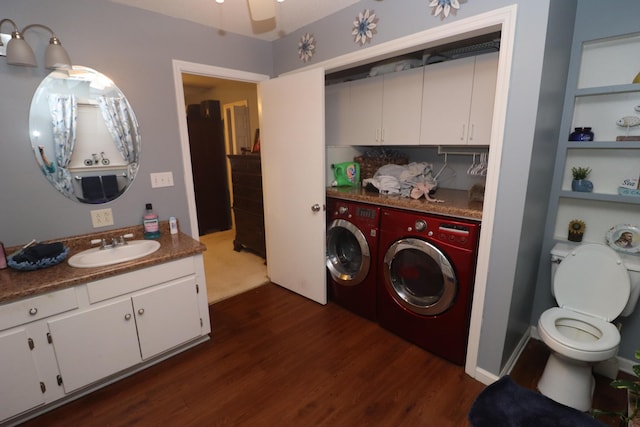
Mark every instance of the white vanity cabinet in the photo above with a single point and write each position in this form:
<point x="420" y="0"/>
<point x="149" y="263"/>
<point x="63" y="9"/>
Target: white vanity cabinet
<point x="28" y="372"/>
<point x="78" y="339"/>
<point x="457" y="101"/>
<point x="20" y="384"/>
<point x="116" y="335"/>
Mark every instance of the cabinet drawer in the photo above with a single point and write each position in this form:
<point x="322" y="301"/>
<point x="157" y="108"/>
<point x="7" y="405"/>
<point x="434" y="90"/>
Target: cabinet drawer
<point x="110" y="287"/>
<point x="38" y="307"/>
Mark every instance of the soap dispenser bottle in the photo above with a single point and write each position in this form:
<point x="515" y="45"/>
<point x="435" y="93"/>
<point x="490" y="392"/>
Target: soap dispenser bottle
<point x="151" y="223"/>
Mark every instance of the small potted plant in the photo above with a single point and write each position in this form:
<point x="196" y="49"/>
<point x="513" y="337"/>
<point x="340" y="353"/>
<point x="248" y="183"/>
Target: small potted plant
<point x="580" y="181"/>
<point x="630" y="416"/>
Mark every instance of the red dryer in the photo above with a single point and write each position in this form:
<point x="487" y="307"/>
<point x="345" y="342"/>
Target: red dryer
<point x="426" y="272"/>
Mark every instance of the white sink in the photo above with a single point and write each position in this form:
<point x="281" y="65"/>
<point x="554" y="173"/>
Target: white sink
<point x="96" y="257"/>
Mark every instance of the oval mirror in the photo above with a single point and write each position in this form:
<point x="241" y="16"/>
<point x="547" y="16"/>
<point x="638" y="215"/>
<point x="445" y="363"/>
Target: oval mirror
<point x="84" y="135"/>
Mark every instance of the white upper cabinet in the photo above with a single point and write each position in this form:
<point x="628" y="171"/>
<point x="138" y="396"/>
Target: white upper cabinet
<point x="381" y="110"/>
<point x="401" y="107"/>
<point x="365" y="111"/>
<point x="457" y="101"/>
<point x="336" y="114"/>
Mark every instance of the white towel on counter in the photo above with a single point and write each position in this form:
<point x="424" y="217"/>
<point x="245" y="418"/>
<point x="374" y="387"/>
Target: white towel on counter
<point x="402" y="179"/>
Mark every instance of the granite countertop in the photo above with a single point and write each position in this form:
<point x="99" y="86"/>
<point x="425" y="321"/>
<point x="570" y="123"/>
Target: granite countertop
<point x="455" y="202"/>
<point x="16" y="284"/>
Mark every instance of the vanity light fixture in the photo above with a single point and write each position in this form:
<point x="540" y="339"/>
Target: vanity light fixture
<point x="18" y="51"/>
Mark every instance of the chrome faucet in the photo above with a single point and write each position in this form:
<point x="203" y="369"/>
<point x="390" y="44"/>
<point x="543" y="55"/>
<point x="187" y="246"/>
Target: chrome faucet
<point x="115" y="241"/>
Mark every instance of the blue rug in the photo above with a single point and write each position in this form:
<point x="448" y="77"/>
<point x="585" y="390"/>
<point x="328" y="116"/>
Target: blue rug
<point x="506" y="404"/>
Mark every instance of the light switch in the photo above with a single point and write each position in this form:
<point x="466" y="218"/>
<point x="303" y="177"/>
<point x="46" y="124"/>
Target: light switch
<point x="161" y="179"/>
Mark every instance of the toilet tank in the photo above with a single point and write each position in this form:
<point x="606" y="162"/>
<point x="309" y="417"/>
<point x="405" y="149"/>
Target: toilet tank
<point x="631" y="262"/>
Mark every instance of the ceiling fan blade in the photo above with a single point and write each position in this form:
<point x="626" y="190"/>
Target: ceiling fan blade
<point x="262" y="10"/>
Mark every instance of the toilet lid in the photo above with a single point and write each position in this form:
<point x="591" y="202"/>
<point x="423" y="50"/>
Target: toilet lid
<point x="592" y="280"/>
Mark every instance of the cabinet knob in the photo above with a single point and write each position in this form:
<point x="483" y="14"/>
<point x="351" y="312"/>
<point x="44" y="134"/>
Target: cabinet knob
<point x="127" y="316"/>
<point x="141" y="311"/>
<point x="33" y="311"/>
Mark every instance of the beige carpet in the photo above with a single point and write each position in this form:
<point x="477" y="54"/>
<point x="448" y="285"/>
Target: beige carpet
<point x="229" y="272"/>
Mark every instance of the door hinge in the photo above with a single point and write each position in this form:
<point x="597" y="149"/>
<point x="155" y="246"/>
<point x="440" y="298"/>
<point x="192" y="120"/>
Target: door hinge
<point x="49" y="339"/>
<point x="43" y="387"/>
<point x="197" y="288"/>
<point x="31" y="344"/>
<point x="59" y="379"/>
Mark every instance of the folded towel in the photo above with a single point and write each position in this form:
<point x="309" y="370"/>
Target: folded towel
<point x="110" y="186"/>
<point x="39" y="252"/>
<point x="92" y="189"/>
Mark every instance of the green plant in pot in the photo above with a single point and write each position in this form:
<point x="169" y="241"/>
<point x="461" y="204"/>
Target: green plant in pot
<point x="580" y="181"/>
<point x="631" y="415"/>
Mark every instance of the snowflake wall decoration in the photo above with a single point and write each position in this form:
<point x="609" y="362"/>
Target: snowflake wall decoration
<point x="364" y="27"/>
<point x="306" y="47"/>
<point x="444" y="6"/>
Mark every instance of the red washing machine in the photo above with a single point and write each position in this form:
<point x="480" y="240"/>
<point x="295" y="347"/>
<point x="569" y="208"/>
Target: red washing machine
<point x="425" y="280"/>
<point x="352" y="255"/>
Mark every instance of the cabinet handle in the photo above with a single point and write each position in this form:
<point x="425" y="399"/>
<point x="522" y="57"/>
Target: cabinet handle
<point x="141" y="311"/>
<point x="463" y="132"/>
<point x="473" y="126"/>
<point x="382" y="135"/>
<point x="33" y="311"/>
<point x="127" y="316"/>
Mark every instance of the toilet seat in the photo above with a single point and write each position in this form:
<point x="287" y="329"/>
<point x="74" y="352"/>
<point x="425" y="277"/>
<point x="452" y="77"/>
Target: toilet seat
<point x="609" y="337"/>
<point x="592" y="280"/>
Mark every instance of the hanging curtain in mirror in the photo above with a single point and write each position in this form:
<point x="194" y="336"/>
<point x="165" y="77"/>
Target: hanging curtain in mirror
<point x="64" y="116"/>
<point x="124" y="131"/>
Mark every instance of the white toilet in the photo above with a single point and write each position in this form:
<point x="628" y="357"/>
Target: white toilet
<point x="592" y="285"/>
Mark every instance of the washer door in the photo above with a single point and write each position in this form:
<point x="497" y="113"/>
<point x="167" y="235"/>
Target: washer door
<point x="348" y="255"/>
<point x="419" y="277"/>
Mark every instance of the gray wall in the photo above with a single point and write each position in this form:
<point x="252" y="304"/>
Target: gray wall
<point x="610" y="21"/>
<point x="135" y="49"/>
<point x="512" y="269"/>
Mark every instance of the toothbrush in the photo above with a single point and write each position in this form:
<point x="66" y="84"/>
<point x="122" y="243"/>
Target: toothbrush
<point x="19" y="251"/>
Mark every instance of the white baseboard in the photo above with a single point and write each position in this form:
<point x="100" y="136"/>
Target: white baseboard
<point x="516" y="353"/>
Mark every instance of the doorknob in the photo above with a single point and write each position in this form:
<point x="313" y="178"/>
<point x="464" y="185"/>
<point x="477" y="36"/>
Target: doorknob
<point x="315" y="208"/>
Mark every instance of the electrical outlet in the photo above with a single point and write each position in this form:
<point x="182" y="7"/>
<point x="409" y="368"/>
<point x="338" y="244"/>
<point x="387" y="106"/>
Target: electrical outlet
<point x="101" y="217"/>
<point x="161" y="179"/>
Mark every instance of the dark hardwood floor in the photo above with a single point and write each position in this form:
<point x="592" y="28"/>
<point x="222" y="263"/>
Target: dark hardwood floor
<point x="277" y="359"/>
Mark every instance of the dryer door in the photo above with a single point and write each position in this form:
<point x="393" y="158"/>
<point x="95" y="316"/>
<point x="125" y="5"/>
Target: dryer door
<point x="419" y="277"/>
<point x="348" y="254"/>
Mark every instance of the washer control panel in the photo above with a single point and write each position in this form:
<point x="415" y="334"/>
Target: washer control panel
<point x="453" y="233"/>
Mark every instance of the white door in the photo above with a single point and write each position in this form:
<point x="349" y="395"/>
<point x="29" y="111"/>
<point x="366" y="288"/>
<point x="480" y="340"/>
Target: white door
<point x="293" y="151"/>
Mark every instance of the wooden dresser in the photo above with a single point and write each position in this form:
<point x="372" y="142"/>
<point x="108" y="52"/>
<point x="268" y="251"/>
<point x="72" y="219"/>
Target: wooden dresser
<point x="246" y="174"/>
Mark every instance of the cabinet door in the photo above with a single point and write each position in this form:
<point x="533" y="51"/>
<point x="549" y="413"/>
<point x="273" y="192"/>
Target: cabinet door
<point x="337" y="114"/>
<point x="19" y="382"/>
<point x="401" y="107"/>
<point x="446" y="101"/>
<point x="167" y="316"/>
<point x="482" y="99"/>
<point x="365" y="118"/>
<point x="96" y="343"/>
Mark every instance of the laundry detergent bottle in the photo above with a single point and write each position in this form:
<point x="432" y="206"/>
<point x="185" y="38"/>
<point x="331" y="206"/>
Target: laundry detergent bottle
<point x="151" y="223"/>
<point x="346" y="174"/>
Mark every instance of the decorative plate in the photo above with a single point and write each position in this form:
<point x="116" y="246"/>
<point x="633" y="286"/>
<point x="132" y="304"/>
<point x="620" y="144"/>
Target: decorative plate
<point x="624" y="238"/>
<point x="43" y="263"/>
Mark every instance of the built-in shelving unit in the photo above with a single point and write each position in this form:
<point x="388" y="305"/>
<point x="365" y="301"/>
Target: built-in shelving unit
<point x="599" y="93"/>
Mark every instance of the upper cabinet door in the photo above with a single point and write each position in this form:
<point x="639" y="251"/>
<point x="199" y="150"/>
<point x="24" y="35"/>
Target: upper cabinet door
<point x="401" y="107"/>
<point x="365" y="111"/>
<point x="293" y="152"/>
<point x="337" y="110"/>
<point x="457" y="101"/>
<point x="446" y="101"/>
<point x="482" y="99"/>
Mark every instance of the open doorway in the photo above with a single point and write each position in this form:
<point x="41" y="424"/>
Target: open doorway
<point x="225" y="110"/>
